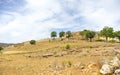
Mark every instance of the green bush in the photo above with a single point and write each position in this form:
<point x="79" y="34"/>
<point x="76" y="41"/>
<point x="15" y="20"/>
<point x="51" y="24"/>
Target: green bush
<point x="55" y="52"/>
<point x="32" y="42"/>
<point x="1" y="48"/>
<point x="67" y="46"/>
<point x="69" y="63"/>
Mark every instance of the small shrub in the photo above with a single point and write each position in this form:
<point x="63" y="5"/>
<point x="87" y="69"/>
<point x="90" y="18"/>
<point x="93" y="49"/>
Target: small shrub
<point x="67" y="46"/>
<point x="69" y="63"/>
<point x="32" y="42"/>
<point x="88" y="51"/>
<point x="55" y="52"/>
<point x="1" y="48"/>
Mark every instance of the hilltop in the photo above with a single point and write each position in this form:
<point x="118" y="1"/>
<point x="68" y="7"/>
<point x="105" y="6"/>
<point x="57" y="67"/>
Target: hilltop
<point x="51" y="57"/>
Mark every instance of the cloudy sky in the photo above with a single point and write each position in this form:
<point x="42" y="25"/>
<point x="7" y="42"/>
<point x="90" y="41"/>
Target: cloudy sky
<point x="22" y="20"/>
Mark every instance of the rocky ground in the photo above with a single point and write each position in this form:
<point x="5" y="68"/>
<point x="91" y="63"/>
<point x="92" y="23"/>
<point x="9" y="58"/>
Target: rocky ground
<point x="83" y="58"/>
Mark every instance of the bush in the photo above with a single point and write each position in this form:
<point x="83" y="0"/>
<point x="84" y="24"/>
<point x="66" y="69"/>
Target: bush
<point x="1" y="48"/>
<point x="55" y="52"/>
<point x="69" y="63"/>
<point x="32" y="42"/>
<point x="67" y="46"/>
<point x="112" y="41"/>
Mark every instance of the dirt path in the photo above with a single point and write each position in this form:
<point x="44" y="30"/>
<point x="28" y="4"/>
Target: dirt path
<point x="14" y="52"/>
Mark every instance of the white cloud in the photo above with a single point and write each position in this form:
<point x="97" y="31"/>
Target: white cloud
<point x="37" y="18"/>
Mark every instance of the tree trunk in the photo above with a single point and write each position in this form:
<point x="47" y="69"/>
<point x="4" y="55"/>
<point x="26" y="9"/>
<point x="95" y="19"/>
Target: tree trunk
<point x="106" y="39"/>
<point x="90" y="39"/>
<point x="53" y="38"/>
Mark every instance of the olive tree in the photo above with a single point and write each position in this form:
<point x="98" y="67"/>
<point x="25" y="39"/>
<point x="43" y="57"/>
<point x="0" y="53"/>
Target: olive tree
<point x="117" y="34"/>
<point x="90" y="35"/>
<point x="83" y="33"/>
<point x="53" y="34"/>
<point x="68" y="34"/>
<point x="61" y="34"/>
<point x="107" y="32"/>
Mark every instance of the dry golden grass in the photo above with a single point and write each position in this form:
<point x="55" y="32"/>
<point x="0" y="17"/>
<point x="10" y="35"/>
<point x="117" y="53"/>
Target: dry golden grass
<point x="26" y="59"/>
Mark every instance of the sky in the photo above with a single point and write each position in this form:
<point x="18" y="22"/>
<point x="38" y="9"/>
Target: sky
<point x="23" y="20"/>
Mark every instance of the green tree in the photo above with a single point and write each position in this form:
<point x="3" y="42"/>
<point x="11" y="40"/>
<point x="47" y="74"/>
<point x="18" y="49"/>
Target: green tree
<point x="117" y="34"/>
<point x="68" y="34"/>
<point x="53" y="34"/>
<point x="83" y="33"/>
<point x="32" y="42"/>
<point x="61" y="34"/>
<point x="113" y="35"/>
<point x="90" y="35"/>
<point x="107" y="32"/>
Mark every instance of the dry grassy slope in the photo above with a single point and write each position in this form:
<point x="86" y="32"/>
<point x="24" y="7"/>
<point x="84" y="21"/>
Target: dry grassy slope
<point x="26" y="59"/>
<point x="44" y="45"/>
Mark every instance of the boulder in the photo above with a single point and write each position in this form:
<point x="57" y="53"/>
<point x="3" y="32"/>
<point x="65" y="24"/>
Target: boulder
<point x="117" y="72"/>
<point x="106" y="69"/>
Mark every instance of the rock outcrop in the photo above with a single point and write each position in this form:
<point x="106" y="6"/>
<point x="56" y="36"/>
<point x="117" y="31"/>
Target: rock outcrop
<point x="106" y="69"/>
<point x="113" y="67"/>
<point x="117" y="72"/>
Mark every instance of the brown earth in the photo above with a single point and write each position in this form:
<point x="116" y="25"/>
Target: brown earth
<point x="52" y="58"/>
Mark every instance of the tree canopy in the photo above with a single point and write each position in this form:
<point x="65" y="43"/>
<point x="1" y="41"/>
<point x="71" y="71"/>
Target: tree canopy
<point x="90" y="35"/>
<point x="68" y="34"/>
<point x="117" y="34"/>
<point x="107" y="32"/>
<point x="53" y="34"/>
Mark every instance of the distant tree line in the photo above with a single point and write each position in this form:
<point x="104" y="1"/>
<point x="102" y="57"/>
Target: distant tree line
<point x="62" y="34"/>
<point x="106" y="32"/>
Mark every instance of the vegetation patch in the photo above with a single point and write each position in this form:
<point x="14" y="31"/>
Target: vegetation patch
<point x="32" y="42"/>
<point x="67" y="46"/>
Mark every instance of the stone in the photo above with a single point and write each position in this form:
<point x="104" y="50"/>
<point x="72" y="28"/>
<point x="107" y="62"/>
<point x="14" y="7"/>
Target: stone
<point x="92" y="65"/>
<point x="58" y="55"/>
<point x="106" y="69"/>
<point x="112" y="67"/>
<point x="117" y="72"/>
<point x="47" y="55"/>
<point x="79" y="65"/>
<point x="115" y="62"/>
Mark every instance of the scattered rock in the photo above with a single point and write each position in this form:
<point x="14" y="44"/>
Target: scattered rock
<point x="111" y="68"/>
<point x="115" y="62"/>
<point x="106" y="69"/>
<point x="58" y="55"/>
<point x="79" y="65"/>
<point x="92" y="65"/>
<point x="47" y="55"/>
<point x="117" y="72"/>
<point x="56" y="66"/>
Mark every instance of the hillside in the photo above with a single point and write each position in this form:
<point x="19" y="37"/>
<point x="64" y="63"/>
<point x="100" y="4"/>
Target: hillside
<point x="51" y="57"/>
<point x="5" y="44"/>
